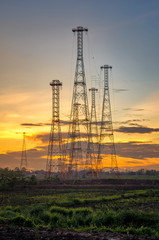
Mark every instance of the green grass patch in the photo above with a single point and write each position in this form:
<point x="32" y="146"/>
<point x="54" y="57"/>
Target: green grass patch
<point x="116" y="210"/>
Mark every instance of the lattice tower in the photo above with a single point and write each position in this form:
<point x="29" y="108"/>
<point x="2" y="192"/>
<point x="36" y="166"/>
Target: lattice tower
<point x="79" y="117"/>
<point x="93" y="120"/>
<point x="93" y="130"/>
<point x="106" y="147"/>
<point x="23" y="162"/>
<point x="55" y="159"/>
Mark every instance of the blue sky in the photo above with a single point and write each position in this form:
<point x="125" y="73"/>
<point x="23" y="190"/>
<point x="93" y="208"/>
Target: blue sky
<point x="37" y="45"/>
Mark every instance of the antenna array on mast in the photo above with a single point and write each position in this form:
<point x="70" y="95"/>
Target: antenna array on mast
<point x="106" y="139"/>
<point x="79" y="117"/>
<point x="89" y="147"/>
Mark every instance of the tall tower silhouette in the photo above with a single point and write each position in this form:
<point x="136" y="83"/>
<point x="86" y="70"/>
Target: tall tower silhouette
<point x="106" y="147"/>
<point x="79" y="117"/>
<point x="93" y="121"/>
<point x="93" y="130"/>
<point x="55" y="159"/>
<point x="23" y="162"/>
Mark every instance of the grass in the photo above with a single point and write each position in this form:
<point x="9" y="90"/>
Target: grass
<point x="135" y="222"/>
<point x="125" y="211"/>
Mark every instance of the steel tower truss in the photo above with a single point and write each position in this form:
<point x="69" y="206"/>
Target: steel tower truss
<point x="79" y="117"/>
<point x="106" y="145"/>
<point x="93" y="121"/>
<point x="93" y="130"/>
<point x="55" y="160"/>
<point x="23" y="162"/>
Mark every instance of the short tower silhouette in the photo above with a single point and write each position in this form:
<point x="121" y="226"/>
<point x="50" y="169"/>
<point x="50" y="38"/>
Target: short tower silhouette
<point x="55" y="164"/>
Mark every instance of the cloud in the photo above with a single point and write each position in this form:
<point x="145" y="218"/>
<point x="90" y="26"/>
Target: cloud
<point x="33" y="124"/>
<point x="139" y="109"/>
<point x="118" y="90"/>
<point x="65" y="122"/>
<point x="62" y="123"/>
<point x="132" y="121"/>
<point x="134" y="109"/>
<point x="134" y="162"/>
<point x="134" y="124"/>
<point x="127" y="109"/>
<point x="137" y="150"/>
<point x="36" y="158"/>
<point x="136" y="129"/>
<point x="44" y="137"/>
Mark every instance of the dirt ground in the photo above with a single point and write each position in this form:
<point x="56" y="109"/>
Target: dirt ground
<point x="125" y="184"/>
<point x="21" y="233"/>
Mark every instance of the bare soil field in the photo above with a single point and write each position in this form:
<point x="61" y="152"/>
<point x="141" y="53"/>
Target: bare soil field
<point x="95" y="184"/>
<point x="21" y="233"/>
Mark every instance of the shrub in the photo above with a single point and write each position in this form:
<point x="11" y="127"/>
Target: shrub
<point x="146" y="231"/>
<point x="82" y="217"/>
<point x="97" y="218"/>
<point x="55" y="221"/>
<point x="127" y="218"/>
<point x="137" y="219"/>
<point x="37" y="210"/>
<point x="45" y="217"/>
<point x="13" y="209"/>
<point x="66" y="204"/>
<point x="7" y="214"/>
<point x="60" y="210"/>
<point x="77" y="201"/>
<point x="83" y="211"/>
<point x="3" y="220"/>
<point x="107" y="218"/>
<point x="146" y="219"/>
<point x="21" y="221"/>
<point x="8" y="208"/>
<point x="17" y="209"/>
<point x="33" y="180"/>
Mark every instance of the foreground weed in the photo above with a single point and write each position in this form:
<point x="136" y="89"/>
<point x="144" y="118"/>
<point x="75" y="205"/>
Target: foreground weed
<point x="106" y="219"/>
<point x="82" y="217"/>
<point x="137" y="219"/>
<point x="21" y="221"/>
<point x="36" y="210"/>
<point x="57" y="221"/>
<point x="7" y="214"/>
<point x="61" y="210"/>
<point x="3" y="220"/>
<point x="45" y="217"/>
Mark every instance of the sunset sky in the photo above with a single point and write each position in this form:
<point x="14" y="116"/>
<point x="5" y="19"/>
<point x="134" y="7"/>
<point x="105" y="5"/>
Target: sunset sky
<point x="37" y="45"/>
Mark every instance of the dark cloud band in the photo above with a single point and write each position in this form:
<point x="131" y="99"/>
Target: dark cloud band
<point x="138" y="129"/>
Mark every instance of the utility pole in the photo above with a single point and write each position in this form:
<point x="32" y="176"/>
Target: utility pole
<point x="79" y="117"/>
<point x="55" y="160"/>
<point x="106" y="140"/>
<point x="23" y="162"/>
